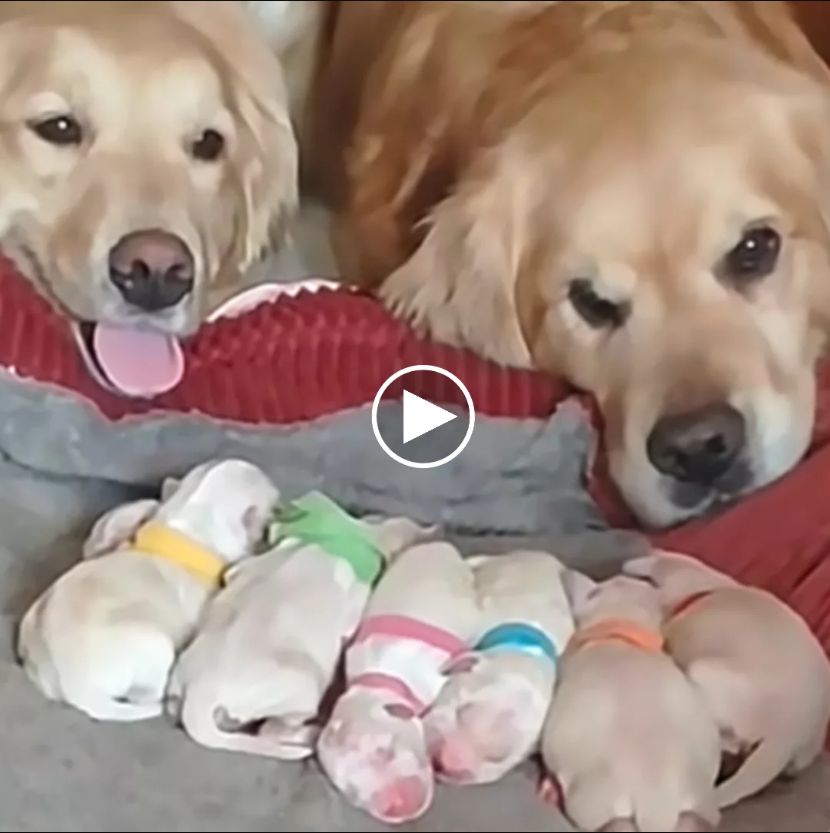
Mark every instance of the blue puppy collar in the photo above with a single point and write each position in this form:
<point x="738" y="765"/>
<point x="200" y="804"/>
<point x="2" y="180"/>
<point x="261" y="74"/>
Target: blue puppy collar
<point x="517" y="636"/>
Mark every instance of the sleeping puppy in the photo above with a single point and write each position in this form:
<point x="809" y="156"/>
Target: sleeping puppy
<point x="420" y="617"/>
<point x="253" y="678"/>
<point x="630" y="742"/>
<point x="630" y="194"/>
<point x="755" y="663"/>
<point x="489" y="714"/>
<point x="104" y="636"/>
<point x="146" y="161"/>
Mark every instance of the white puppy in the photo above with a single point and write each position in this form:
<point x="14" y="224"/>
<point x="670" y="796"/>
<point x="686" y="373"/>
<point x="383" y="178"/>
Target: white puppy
<point x="267" y="650"/>
<point x="104" y="636"/>
<point x="755" y="663"/>
<point x="629" y="740"/>
<point x="489" y="715"/>
<point x="422" y="615"/>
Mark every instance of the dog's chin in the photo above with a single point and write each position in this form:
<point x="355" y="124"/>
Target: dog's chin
<point x="666" y="502"/>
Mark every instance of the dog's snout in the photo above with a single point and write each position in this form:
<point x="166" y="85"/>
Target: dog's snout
<point x="697" y="446"/>
<point x="152" y="269"/>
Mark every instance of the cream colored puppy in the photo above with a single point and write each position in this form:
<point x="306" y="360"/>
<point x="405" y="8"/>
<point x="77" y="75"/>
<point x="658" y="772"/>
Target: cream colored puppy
<point x="488" y="717"/>
<point x="630" y="742"/>
<point x="104" y="636"/>
<point x="753" y="660"/>
<point x="255" y="675"/>
<point x="422" y="615"/>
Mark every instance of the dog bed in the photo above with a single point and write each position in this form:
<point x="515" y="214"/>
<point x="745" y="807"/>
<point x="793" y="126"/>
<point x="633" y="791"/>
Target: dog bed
<point x="285" y="376"/>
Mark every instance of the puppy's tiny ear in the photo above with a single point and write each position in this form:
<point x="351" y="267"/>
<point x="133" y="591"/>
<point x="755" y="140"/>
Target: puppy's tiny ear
<point x="461" y="665"/>
<point x="255" y="520"/>
<point x="117" y="527"/>
<point x="393" y="535"/>
<point x="643" y="566"/>
<point x="168" y="487"/>
<point x="400" y="711"/>
<point x="578" y="588"/>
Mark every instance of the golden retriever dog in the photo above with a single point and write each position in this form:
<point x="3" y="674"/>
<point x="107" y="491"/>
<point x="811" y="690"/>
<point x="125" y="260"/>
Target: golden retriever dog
<point x="634" y="195"/>
<point x="146" y="160"/>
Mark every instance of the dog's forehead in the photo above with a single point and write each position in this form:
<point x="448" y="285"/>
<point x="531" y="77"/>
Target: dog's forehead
<point x="91" y="62"/>
<point x="637" y="221"/>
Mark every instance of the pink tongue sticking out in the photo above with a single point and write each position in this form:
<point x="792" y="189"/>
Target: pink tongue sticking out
<point x="137" y="362"/>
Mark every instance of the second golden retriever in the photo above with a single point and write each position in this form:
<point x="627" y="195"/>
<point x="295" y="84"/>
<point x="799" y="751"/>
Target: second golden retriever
<point x="632" y="194"/>
<point x="146" y="160"/>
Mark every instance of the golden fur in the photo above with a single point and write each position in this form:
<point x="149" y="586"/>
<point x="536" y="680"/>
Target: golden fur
<point x="143" y="80"/>
<point x="486" y="161"/>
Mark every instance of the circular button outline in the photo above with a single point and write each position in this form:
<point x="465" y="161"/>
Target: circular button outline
<point x="470" y="407"/>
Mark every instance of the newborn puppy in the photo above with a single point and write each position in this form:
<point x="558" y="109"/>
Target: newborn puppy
<point x="254" y="677"/>
<point x="754" y="661"/>
<point x="104" y="636"/>
<point x="488" y="717"/>
<point x="421" y="616"/>
<point x="631" y="744"/>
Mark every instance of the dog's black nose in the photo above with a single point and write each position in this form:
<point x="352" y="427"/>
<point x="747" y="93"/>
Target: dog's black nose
<point x="152" y="269"/>
<point x="697" y="446"/>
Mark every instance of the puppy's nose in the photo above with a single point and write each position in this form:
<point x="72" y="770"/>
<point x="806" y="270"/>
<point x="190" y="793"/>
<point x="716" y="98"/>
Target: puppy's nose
<point x="152" y="269"/>
<point x="698" y="446"/>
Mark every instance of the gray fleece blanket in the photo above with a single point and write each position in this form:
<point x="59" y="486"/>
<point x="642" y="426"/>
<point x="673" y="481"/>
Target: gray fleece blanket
<point x="515" y="483"/>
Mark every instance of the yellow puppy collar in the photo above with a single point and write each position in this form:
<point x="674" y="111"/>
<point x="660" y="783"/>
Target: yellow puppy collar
<point x="162" y="542"/>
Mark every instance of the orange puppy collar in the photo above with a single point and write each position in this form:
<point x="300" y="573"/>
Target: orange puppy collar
<point x="619" y="630"/>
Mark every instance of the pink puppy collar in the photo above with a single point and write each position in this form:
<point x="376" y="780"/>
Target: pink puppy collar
<point x="404" y="628"/>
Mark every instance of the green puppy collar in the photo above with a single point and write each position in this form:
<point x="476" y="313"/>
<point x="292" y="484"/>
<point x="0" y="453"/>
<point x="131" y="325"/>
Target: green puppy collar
<point x="315" y="519"/>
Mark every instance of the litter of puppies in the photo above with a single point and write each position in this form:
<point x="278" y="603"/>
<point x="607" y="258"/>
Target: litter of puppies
<point x="631" y="691"/>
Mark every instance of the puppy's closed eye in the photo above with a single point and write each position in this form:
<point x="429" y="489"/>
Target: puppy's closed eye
<point x="598" y="312"/>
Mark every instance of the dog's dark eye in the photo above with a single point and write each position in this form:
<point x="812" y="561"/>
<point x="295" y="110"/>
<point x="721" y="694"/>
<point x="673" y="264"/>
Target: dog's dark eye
<point x="58" y="130"/>
<point x="209" y="146"/>
<point x="755" y="256"/>
<point x="593" y="308"/>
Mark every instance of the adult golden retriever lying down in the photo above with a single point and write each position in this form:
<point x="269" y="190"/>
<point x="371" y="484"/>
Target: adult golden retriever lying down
<point x="146" y="159"/>
<point x="632" y="194"/>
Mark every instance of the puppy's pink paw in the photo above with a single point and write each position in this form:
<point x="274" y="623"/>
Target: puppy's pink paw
<point x="403" y="800"/>
<point x="692" y="823"/>
<point x="454" y="761"/>
<point x="619" y="826"/>
<point x="550" y="792"/>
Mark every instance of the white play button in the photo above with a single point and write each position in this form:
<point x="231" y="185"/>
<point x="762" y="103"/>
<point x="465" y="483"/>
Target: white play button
<point x="412" y="428"/>
<point x="420" y="416"/>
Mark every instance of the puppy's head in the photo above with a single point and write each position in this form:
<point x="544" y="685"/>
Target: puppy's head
<point x="146" y="159"/>
<point x="655" y="230"/>
<point x="676" y="576"/>
<point x="488" y="716"/>
<point x="622" y="597"/>
<point x="226" y="505"/>
<point x="375" y="753"/>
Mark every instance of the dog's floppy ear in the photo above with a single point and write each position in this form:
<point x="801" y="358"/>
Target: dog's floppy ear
<point x="460" y="284"/>
<point x="267" y="172"/>
<point x="578" y="588"/>
<point x="117" y="527"/>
